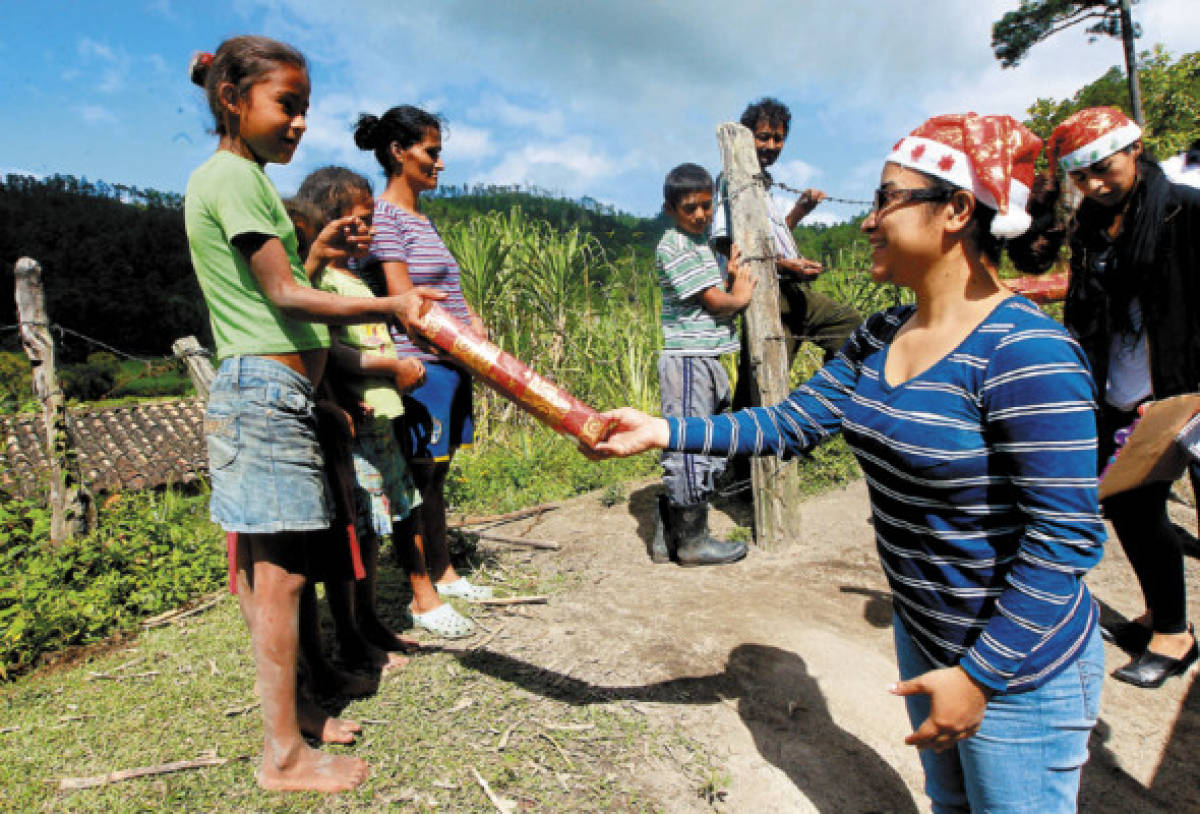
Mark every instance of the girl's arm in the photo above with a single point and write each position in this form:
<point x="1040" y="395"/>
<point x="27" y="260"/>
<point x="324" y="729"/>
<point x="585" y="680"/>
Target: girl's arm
<point x="405" y="373"/>
<point x="271" y="268"/>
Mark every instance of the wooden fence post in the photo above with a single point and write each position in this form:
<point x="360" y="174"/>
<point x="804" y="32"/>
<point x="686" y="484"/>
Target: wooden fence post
<point x="200" y="369"/>
<point x="776" y="485"/>
<point x="72" y="510"/>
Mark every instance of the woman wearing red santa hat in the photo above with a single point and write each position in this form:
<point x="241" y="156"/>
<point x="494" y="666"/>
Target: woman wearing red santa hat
<point x="1134" y="304"/>
<point x="972" y="416"/>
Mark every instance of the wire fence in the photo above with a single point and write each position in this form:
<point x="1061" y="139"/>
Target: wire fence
<point x="63" y="330"/>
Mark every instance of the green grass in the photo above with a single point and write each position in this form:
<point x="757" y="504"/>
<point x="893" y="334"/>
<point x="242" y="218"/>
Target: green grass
<point x="173" y="685"/>
<point x="532" y="465"/>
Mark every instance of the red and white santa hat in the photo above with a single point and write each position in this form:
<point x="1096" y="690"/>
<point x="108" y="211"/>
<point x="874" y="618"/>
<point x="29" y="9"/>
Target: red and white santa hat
<point x="991" y="156"/>
<point x="1091" y="135"/>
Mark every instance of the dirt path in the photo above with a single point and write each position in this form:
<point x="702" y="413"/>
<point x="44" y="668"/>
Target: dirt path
<point x="779" y="665"/>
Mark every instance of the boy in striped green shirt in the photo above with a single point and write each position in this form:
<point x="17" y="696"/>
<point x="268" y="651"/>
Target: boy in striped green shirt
<point x="698" y="307"/>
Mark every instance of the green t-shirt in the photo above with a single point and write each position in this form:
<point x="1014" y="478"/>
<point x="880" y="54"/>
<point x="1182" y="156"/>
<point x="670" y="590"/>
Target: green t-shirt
<point x="228" y="196"/>
<point x="369" y="338"/>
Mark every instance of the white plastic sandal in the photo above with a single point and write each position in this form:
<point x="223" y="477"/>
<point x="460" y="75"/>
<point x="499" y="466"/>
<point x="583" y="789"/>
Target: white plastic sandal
<point x="443" y="621"/>
<point x="462" y="589"/>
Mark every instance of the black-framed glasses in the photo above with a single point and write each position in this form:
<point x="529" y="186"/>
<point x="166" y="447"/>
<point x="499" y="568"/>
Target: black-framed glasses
<point x="886" y="196"/>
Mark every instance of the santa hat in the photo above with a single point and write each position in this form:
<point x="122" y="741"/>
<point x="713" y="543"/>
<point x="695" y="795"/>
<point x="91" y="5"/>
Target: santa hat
<point x="992" y="156"/>
<point x="1091" y="135"/>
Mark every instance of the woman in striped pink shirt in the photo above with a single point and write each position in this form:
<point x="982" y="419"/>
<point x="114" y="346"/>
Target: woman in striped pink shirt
<point x="407" y="251"/>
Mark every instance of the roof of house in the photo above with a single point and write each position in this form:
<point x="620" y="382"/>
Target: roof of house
<point x="135" y="446"/>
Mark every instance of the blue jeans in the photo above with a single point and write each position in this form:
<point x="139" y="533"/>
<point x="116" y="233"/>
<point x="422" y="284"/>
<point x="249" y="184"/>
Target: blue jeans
<point x="1028" y="754"/>
<point x="266" y="467"/>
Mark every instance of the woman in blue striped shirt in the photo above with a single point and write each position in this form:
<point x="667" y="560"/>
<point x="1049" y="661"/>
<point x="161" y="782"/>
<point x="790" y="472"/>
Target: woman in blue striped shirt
<point x="972" y="416"/>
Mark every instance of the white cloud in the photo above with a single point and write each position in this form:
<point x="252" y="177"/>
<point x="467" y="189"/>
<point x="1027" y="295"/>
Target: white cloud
<point x="548" y="122"/>
<point x="647" y="82"/>
<point x="570" y="167"/>
<point x="795" y="173"/>
<point x="97" y="114"/>
<point x="113" y="70"/>
<point x="467" y="143"/>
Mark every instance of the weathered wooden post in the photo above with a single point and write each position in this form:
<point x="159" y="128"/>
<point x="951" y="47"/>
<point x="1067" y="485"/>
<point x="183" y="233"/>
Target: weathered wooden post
<point x="200" y="369"/>
<point x="776" y="485"/>
<point x="72" y="510"/>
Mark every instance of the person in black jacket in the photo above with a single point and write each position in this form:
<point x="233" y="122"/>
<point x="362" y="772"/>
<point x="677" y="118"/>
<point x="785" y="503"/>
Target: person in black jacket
<point x="1133" y="303"/>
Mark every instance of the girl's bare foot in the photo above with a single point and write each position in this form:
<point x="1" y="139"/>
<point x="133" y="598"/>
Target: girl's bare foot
<point x="316" y="723"/>
<point x="307" y="769"/>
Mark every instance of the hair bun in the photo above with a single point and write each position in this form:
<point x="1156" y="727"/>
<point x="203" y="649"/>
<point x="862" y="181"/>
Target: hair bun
<point x="198" y="67"/>
<point x="365" y="131"/>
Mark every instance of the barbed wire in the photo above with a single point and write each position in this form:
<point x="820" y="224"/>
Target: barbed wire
<point x="771" y="182"/>
<point x="62" y="330"/>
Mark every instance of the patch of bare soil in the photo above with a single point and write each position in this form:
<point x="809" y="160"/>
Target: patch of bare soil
<point x="779" y="666"/>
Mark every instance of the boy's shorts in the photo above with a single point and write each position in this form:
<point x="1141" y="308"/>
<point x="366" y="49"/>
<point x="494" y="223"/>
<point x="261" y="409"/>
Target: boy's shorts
<point x="383" y="484"/>
<point x="264" y="462"/>
<point x="437" y="415"/>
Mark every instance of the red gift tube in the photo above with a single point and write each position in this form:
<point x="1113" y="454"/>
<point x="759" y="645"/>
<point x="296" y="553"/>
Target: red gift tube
<point x="1041" y="288"/>
<point x="513" y="379"/>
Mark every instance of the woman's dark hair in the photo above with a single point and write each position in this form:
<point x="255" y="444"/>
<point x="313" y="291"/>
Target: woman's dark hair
<point x="684" y="180"/>
<point x="979" y="230"/>
<point x="332" y="191"/>
<point x="773" y="111"/>
<point x="240" y="61"/>
<point x="405" y="125"/>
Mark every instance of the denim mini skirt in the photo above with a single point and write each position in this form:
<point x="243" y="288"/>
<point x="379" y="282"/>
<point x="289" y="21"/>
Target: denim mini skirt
<point x="264" y="462"/>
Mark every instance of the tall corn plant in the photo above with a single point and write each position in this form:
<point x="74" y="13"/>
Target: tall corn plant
<point x="555" y="300"/>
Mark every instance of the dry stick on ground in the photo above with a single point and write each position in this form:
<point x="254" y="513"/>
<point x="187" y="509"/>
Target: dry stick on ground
<point x="562" y="753"/>
<point x="502" y="518"/>
<point x="502" y="805"/>
<point x="232" y="711"/>
<point x="108" y="677"/>
<point x="519" y="541"/>
<point x="486" y="640"/>
<point x="72" y="783"/>
<point x="503" y="743"/>
<point x="174" y="615"/>
<point x="514" y="600"/>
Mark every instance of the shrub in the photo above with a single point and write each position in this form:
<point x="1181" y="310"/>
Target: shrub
<point x="16" y="382"/>
<point x="151" y="552"/>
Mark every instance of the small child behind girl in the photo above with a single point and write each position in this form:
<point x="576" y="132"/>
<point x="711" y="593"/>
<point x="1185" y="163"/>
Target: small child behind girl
<point x="365" y="358"/>
<point x="265" y="464"/>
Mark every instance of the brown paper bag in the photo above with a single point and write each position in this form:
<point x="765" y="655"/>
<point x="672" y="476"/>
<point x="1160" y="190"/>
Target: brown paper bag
<point x="1151" y="453"/>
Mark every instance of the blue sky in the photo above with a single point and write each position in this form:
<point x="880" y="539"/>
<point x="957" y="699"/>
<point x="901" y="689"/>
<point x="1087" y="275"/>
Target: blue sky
<point x="580" y="97"/>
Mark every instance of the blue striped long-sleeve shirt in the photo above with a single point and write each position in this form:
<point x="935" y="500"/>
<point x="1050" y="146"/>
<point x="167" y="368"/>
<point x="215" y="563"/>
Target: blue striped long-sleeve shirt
<point x="982" y="477"/>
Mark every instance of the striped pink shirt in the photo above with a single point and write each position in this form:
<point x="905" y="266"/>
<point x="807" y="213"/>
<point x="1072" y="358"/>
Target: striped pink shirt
<point x="413" y="240"/>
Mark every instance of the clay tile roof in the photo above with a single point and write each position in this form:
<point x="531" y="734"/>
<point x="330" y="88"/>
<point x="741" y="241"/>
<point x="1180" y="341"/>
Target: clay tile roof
<point x="134" y="446"/>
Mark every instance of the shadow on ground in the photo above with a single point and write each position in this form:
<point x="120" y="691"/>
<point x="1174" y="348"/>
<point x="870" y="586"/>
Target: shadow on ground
<point x="778" y="701"/>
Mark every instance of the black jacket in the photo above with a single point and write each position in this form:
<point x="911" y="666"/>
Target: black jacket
<point x="1168" y="289"/>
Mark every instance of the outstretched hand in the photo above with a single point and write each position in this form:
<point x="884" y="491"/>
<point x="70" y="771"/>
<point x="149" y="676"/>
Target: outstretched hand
<point x="634" y="432"/>
<point x="957" y="705"/>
